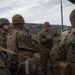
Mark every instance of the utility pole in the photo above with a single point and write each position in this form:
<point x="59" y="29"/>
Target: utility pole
<point x="61" y="14"/>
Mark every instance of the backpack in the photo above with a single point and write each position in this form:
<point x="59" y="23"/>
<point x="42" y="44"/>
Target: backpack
<point x="12" y="45"/>
<point x="58" y="51"/>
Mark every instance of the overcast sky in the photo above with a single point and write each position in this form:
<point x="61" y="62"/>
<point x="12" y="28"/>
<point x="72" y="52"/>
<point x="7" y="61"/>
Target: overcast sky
<point x="37" y="11"/>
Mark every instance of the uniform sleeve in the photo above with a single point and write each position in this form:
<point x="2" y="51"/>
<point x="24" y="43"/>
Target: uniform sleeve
<point x="1" y="41"/>
<point x="42" y="38"/>
<point x="25" y="42"/>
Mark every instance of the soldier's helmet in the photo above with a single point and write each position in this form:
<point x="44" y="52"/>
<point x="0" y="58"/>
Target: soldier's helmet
<point x="47" y="24"/>
<point x="4" y="21"/>
<point x="72" y="18"/>
<point x="17" y="19"/>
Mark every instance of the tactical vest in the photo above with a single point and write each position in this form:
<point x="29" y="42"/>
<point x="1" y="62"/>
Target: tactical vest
<point x="11" y="41"/>
<point x="67" y="67"/>
<point x="24" y="66"/>
<point x="11" y="45"/>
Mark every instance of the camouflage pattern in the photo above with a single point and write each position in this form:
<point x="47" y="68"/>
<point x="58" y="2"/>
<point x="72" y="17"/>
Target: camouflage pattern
<point x="66" y="47"/>
<point x="3" y="39"/>
<point x="3" y="33"/>
<point x="46" y="41"/>
<point x="71" y="49"/>
<point x="58" y="51"/>
<point x="69" y="37"/>
<point x="24" y="41"/>
<point x="58" y="55"/>
<point x="4" y="21"/>
<point x="26" y="29"/>
<point x="21" y="42"/>
<point x="45" y="37"/>
<point x="24" y="45"/>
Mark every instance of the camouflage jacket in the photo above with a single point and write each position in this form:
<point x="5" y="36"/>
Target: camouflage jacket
<point x="3" y="41"/>
<point x="25" y="42"/>
<point x="67" y="48"/>
<point x="71" y="49"/>
<point x="63" y="50"/>
<point x="3" y="38"/>
<point x="58" y="51"/>
<point x="46" y="38"/>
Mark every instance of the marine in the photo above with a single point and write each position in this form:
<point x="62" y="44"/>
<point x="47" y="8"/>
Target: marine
<point x="63" y="52"/>
<point x="4" y="29"/>
<point x="19" y="41"/>
<point x="45" y="38"/>
<point x="4" y="25"/>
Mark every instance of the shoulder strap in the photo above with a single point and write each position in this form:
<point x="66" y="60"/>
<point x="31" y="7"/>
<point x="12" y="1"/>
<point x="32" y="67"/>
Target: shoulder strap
<point x="11" y="41"/>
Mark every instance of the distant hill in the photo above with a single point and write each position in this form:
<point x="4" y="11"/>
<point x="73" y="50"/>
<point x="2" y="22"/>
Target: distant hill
<point x="35" y="28"/>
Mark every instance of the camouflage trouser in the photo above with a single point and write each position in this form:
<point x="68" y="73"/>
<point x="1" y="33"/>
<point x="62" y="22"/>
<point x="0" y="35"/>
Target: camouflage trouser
<point x="44" y="58"/>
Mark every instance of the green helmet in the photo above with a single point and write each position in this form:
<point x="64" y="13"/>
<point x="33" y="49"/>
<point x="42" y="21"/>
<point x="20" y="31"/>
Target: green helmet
<point x="46" y="24"/>
<point x="4" y="21"/>
<point x="72" y="18"/>
<point x="16" y="19"/>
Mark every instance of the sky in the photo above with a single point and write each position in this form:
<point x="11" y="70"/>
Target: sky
<point x="37" y="11"/>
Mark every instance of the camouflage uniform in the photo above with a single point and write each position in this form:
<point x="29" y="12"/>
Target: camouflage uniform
<point x="46" y="40"/>
<point x="23" y="39"/>
<point x="71" y="46"/>
<point x="3" y="33"/>
<point x="21" y="42"/>
<point x="63" y="51"/>
<point x="70" y="55"/>
<point x="3" y="39"/>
